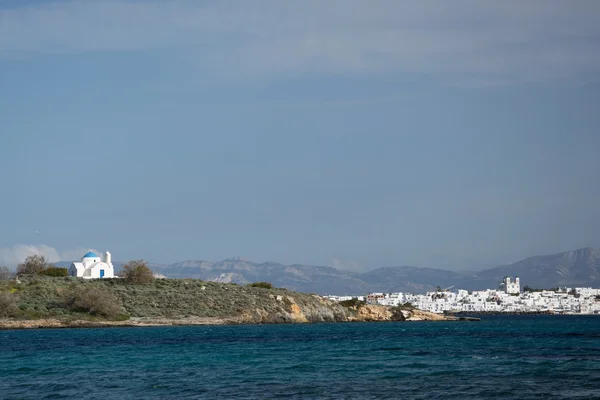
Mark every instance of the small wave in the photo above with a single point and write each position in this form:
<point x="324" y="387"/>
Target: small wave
<point x="25" y="369"/>
<point x="422" y="353"/>
<point x="416" y="365"/>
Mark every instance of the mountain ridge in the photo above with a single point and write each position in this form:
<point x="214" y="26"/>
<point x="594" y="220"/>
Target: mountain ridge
<point x="580" y="267"/>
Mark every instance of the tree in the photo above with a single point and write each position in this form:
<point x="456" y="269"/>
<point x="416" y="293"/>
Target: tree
<point x="354" y="302"/>
<point x="137" y="273"/>
<point x="264" y="285"/>
<point x="55" y="271"/>
<point x="32" y="265"/>
<point x="397" y="314"/>
<point x="5" y="274"/>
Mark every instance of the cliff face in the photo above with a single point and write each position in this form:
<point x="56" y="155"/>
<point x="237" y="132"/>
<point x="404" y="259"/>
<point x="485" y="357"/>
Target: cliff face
<point x="383" y="313"/>
<point x="294" y="308"/>
<point x="44" y="301"/>
<point x="326" y="311"/>
<point x="371" y="313"/>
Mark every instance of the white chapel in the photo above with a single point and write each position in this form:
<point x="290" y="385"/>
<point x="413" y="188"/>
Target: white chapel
<point x="93" y="266"/>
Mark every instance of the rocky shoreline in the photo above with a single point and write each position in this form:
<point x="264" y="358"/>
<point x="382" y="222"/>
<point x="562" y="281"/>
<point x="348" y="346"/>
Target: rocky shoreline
<point x="365" y="313"/>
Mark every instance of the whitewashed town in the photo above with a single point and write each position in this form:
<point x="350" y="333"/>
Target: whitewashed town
<point x="508" y="299"/>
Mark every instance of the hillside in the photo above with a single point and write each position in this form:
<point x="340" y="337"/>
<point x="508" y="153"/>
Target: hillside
<point x="575" y="268"/>
<point x="42" y="297"/>
<point x="413" y="279"/>
<point x="303" y="278"/>
<point x="44" y="301"/>
<point x="309" y="278"/>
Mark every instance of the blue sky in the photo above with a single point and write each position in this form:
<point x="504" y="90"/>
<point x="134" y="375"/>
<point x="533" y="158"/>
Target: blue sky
<point x="347" y="133"/>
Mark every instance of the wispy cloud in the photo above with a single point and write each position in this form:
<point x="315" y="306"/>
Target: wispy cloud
<point x="12" y="256"/>
<point x="502" y="41"/>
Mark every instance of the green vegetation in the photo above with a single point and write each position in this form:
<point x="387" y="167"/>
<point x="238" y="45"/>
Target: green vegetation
<point x="264" y="285"/>
<point x="55" y="271"/>
<point x="8" y="305"/>
<point x="397" y="314"/>
<point x="45" y="290"/>
<point x="354" y="302"/>
<point x="68" y="298"/>
<point x="95" y="301"/>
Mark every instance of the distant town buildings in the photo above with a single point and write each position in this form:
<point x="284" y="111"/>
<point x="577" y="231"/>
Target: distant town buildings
<point x="508" y="299"/>
<point x="93" y="266"/>
<point x="373" y="298"/>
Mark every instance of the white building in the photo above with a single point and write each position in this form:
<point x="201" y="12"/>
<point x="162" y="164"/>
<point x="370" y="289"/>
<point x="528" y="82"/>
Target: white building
<point x="93" y="266"/>
<point x="512" y="287"/>
<point x="508" y="299"/>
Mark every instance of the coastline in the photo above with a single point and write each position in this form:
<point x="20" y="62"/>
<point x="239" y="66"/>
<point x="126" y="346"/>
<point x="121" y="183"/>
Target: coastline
<point x="52" y="323"/>
<point x="371" y="313"/>
<point x="47" y="302"/>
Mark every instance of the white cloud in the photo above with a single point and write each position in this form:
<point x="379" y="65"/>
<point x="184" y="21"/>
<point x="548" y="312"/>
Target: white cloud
<point x="508" y="40"/>
<point x="12" y="256"/>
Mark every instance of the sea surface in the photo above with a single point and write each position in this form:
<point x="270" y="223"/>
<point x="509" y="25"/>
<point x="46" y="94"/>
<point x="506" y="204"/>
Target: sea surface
<point x="503" y="357"/>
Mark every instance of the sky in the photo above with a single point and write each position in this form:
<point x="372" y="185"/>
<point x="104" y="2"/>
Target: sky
<point x="356" y="134"/>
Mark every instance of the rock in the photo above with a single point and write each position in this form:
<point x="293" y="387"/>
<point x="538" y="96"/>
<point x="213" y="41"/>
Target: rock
<point x="297" y="314"/>
<point x="418" y="315"/>
<point x="371" y="312"/>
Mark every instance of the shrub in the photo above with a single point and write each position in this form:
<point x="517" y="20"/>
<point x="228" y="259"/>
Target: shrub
<point x="137" y="273"/>
<point x="121" y="317"/>
<point x="5" y="274"/>
<point x="32" y="265"/>
<point x="8" y="305"/>
<point x="97" y="302"/>
<point x="354" y="302"/>
<point x="397" y="314"/>
<point x="264" y="285"/>
<point x="55" y="271"/>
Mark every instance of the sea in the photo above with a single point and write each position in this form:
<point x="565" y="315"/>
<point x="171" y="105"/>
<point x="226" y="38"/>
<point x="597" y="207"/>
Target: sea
<point x="499" y="357"/>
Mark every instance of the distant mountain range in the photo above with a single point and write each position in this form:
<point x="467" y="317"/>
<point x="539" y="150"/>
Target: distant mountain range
<point x="574" y="268"/>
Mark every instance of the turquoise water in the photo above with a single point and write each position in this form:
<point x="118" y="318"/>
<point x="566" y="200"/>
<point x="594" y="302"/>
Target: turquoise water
<point x="500" y="357"/>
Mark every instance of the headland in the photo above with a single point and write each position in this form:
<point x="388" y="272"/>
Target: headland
<point x="59" y="302"/>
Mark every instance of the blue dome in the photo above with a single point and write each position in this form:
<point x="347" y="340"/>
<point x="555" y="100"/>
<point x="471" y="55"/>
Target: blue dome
<point x="91" y="254"/>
